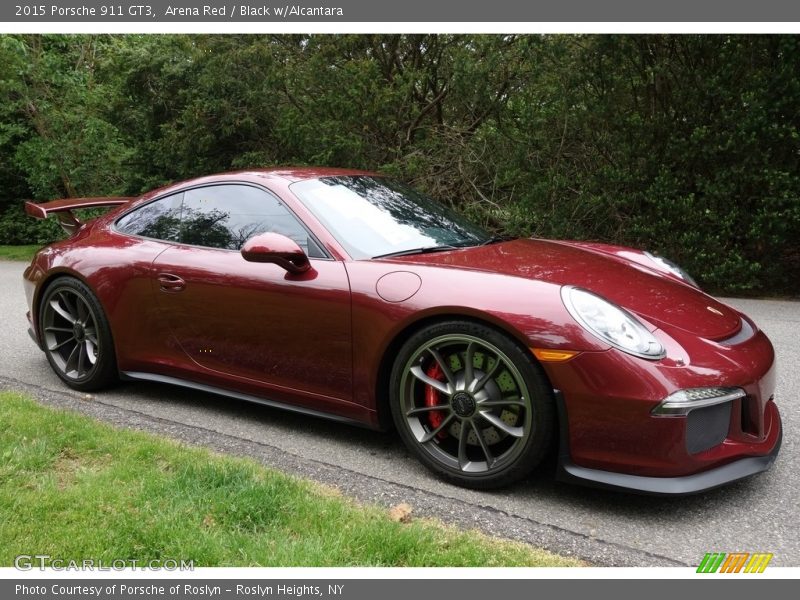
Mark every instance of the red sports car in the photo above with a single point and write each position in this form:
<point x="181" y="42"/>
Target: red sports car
<point x="350" y="295"/>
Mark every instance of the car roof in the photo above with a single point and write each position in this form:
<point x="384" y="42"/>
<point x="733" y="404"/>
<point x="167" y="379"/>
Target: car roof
<point x="282" y="176"/>
<point x="301" y="173"/>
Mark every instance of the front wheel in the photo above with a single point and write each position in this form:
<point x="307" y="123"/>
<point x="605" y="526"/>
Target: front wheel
<point x="75" y="335"/>
<point x="470" y="403"/>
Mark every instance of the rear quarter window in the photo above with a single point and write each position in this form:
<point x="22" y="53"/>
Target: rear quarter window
<point x="160" y="219"/>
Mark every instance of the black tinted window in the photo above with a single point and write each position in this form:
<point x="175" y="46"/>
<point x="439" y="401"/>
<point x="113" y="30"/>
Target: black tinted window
<point x="160" y="219"/>
<point x="226" y="216"/>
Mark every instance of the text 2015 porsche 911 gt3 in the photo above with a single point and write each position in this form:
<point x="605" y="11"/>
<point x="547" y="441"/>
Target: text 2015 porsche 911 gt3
<point x="350" y="295"/>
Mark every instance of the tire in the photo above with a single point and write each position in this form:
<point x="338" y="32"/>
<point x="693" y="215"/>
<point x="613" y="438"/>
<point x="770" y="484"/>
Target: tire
<point x="481" y="427"/>
<point x="76" y="337"/>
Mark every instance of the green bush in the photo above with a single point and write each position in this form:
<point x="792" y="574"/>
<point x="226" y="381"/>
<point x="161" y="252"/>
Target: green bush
<point x="687" y="145"/>
<point x="17" y="229"/>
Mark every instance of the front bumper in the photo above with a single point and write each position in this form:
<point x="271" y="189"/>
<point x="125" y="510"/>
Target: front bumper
<point x="569" y="472"/>
<point x="615" y="432"/>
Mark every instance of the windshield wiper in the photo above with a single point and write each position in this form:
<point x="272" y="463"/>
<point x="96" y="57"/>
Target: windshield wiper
<point x="423" y="250"/>
<point x="495" y="239"/>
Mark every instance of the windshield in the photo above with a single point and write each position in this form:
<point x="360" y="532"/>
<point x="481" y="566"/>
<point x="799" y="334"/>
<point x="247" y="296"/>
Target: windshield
<point x="374" y="216"/>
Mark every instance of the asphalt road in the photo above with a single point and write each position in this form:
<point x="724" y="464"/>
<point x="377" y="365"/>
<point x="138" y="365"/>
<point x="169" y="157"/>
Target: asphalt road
<point x="605" y="528"/>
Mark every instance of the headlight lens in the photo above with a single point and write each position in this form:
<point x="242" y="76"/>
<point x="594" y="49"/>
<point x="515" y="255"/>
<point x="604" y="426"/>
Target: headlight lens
<point x="672" y="268"/>
<point x="611" y="323"/>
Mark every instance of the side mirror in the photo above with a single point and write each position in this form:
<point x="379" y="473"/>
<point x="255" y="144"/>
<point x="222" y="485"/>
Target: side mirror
<point x="278" y="249"/>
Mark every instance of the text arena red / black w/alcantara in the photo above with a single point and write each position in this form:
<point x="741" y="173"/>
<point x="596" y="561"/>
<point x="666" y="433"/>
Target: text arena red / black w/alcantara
<point x="346" y="294"/>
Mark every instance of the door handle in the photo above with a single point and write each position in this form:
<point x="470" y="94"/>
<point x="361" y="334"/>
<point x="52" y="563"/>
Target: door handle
<point x="170" y="283"/>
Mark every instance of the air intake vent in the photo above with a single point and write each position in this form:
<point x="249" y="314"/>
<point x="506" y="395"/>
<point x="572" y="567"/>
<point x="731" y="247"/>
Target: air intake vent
<point x="749" y="423"/>
<point x="707" y="427"/>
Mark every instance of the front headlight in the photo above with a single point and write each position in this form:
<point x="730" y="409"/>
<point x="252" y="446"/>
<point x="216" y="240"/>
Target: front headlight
<point x="610" y="323"/>
<point x="670" y="266"/>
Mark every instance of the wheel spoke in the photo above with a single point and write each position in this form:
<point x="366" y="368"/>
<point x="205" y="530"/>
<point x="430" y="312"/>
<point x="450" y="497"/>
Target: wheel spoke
<point x="72" y="359"/>
<point x="62" y="312"/>
<point x="62" y="329"/>
<point x="443" y="387"/>
<point x="486" y="452"/>
<point x="469" y="366"/>
<point x="60" y="344"/>
<point x="90" y="351"/>
<point x="444" y="367"/>
<point x="91" y="335"/>
<point x="81" y="359"/>
<point x="426" y="409"/>
<point x="517" y="432"/>
<point x="81" y="310"/>
<point x="478" y="385"/>
<point x="70" y="305"/>
<point x="507" y="401"/>
<point x="463" y="460"/>
<point x="432" y="434"/>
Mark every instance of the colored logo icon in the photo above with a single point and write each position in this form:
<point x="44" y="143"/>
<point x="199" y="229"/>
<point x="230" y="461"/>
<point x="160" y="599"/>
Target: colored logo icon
<point x="734" y="562"/>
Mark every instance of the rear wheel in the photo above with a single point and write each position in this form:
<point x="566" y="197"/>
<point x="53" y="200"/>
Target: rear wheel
<point x="470" y="403"/>
<point x="75" y="335"/>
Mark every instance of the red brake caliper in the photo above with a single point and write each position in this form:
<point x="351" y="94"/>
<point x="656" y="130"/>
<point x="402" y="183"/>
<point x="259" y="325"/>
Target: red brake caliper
<point x="435" y="417"/>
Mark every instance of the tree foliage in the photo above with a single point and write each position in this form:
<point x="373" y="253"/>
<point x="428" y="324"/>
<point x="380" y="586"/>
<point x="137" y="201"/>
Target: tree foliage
<point x="686" y="145"/>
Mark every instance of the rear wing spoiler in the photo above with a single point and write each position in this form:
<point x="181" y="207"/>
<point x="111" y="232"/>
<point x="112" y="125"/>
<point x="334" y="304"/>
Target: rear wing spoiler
<point x="63" y="209"/>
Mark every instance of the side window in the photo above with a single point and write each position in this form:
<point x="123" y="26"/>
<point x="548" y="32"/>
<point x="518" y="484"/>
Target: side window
<point x="226" y="216"/>
<point x="160" y="219"/>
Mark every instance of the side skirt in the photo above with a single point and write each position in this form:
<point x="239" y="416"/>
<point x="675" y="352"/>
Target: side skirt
<point x="139" y="376"/>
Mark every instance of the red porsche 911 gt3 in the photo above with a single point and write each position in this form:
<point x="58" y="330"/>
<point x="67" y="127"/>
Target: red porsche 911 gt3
<point x="350" y="295"/>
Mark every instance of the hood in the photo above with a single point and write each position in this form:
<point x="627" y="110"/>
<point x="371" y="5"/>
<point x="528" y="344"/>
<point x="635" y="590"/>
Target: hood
<point x="646" y="292"/>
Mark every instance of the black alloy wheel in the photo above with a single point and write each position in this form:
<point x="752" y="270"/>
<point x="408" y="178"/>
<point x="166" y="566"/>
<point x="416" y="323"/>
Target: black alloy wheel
<point x="75" y="335"/>
<point x="471" y="404"/>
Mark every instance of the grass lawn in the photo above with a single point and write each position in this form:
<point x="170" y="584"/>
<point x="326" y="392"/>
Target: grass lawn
<point x="74" y="489"/>
<point x="18" y="252"/>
